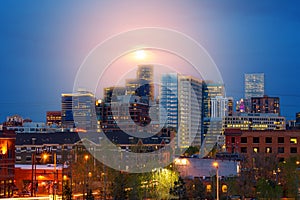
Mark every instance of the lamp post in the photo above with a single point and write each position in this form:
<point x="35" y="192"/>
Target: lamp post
<point x="33" y="174"/>
<point x="297" y="178"/>
<point x="216" y="165"/>
<point x="85" y="184"/>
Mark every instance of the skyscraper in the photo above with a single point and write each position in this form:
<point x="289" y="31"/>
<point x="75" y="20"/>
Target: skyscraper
<point x="142" y="85"/>
<point x="211" y="90"/>
<point x="78" y="110"/>
<point x="169" y="101"/>
<point x="254" y="85"/>
<point x="180" y="108"/>
<point x="190" y="111"/>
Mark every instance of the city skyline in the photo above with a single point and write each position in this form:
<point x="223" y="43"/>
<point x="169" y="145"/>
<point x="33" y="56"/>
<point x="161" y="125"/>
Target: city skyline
<point x="43" y="45"/>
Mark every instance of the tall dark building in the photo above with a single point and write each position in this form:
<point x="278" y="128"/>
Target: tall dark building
<point x="142" y="85"/>
<point x="111" y="93"/>
<point x="78" y="110"/>
<point x="265" y="104"/>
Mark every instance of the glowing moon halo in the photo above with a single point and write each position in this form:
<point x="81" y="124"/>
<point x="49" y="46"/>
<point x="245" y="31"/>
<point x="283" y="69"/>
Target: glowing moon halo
<point x="140" y="54"/>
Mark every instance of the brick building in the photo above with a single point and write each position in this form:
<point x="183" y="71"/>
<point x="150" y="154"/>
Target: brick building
<point x="7" y="163"/>
<point x="43" y="178"/>
<point x="282" y="143"/>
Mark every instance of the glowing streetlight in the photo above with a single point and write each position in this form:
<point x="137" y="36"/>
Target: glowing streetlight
<point x="86" y="157"/>
<point x="216" y="165"/>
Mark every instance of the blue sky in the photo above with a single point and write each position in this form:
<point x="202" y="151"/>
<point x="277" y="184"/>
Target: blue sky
<point x="43" y="43"/>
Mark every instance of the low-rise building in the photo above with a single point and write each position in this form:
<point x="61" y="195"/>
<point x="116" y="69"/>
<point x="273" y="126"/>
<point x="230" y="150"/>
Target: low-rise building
<point x="7" y="163"/>
<point x="282" y="143"/>
<point x="255" y="121"/>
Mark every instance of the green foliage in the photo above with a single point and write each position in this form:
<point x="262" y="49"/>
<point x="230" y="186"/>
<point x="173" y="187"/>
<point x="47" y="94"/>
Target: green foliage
<point x="191" y="151"/>
<point x="289" y="176"/>
<point x="268" y="189"/>
<point x="179" y="189"/>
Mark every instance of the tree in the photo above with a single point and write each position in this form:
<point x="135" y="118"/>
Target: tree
<point x="268" y="189"/>
<point x="195" y="189"/>
<point x="289" y="176"/>
<point x="118" y="185"/>
<point x="67" y="193"/>
<point x="179" y="189"/>
<point x="191" y="151"/>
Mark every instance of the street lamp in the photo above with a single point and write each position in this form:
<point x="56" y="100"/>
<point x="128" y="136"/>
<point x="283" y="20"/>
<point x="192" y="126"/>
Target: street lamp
<point x="216" y="165"/>
<point x="85" y="186"/>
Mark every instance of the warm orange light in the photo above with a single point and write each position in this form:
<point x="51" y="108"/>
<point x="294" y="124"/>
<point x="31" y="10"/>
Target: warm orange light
<point x="45" y="156"/>
<point x="181" y="161"/>
<point x="297" y="162"/>
<point x="65" y="177"/>
<point x="216" y="164"/>
<point x="86" y="157"/>
<point x="140" y="54"/>
<point x="41" y="177"/>
<point x="3" y="149"/>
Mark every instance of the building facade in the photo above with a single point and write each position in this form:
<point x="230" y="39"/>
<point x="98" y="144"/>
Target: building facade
<point x="282" y="144"/>
<point x="169" y="101"/>
<point x="78" y="110"/>
<point x="255" y="121"/>
<point x="142" y="85"/>
<point x="190" y="111"/>
<point x="53" y="118"/>
<point x="265" y="104"/>
<point x="254" y="85"/>
<point x="7" y="163"/>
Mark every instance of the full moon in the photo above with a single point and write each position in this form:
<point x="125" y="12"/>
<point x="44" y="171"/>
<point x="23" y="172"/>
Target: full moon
<point x="140" y="54"/>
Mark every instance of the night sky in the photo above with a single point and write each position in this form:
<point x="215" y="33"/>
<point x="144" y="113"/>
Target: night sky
<point x="43" y="43"/>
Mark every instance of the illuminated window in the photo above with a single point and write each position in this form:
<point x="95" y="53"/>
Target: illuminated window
<point x="293" y="140"/>
<point x="255" y="149"/>
<point x="268" y="150"/>
<point x="208" y="188"/>
<point x="224" y="188"/>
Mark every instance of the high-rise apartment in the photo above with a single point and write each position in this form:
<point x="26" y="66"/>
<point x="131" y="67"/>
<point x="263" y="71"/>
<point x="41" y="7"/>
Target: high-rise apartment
<point x="169" y="101"/>
<point x="254" y="85"/>
<point x="180" y="108"/>
<point x="190" y="111"/>
<point x="265" y="104"/>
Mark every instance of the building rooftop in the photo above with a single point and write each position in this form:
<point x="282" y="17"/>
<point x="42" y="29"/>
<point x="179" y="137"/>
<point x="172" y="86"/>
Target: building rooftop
<point x="47" y="138"/>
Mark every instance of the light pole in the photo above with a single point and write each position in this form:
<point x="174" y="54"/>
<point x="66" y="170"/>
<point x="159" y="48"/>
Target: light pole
<point x="55" y="181"/>
<point x="85" y="184"/>
<point x="216" y="165"/>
